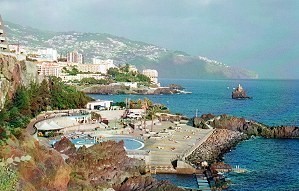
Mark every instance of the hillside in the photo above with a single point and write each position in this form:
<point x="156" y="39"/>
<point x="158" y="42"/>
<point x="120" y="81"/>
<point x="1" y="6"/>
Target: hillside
<point x="170" y="64"/>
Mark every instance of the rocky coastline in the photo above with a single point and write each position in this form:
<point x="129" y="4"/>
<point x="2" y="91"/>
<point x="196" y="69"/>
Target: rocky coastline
<point x="119" y="89"/>
<point x="229" y="131"/>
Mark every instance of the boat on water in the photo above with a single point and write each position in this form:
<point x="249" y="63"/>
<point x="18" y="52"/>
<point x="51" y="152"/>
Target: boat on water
<point x="183" y="92"/>
<point x="240" y="93"/>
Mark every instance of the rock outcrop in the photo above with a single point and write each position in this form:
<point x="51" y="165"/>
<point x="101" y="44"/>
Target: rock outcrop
<point x="106" y="165"/>
<point x="231" y="130"/>
<point x="254" y="128"/>
<point x="145" y="183"/>
<point x="46" y="170"/>
<point x="245" y="126"/>
<point x="239" y="93"/>
<point x="12" y="74"/>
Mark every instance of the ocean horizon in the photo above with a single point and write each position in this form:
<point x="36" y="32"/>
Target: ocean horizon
<point x="274" y="102"/>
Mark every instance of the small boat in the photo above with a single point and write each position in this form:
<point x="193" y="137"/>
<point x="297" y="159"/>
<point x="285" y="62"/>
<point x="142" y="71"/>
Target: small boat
<point x="239" y="93"/>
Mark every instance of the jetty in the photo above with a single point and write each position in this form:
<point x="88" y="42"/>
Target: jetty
<point x="201" y="182"/>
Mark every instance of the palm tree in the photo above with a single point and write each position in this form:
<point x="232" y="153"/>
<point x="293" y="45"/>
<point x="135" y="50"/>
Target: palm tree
<point x="146" y="103"/>
<point x="152" y="113"/>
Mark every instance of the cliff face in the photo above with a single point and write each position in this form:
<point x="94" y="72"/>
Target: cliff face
<point x="12" y="74"/>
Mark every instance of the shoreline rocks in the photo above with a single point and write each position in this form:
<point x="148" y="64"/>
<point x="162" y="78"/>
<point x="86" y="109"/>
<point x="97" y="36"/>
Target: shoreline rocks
<point x="221" y="141"/>
<point x="120" y="89"/>
<point x="231" y="130"/>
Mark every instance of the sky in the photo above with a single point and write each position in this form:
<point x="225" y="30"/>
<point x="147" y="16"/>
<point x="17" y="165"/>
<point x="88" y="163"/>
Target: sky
<point x="260" y="35"/>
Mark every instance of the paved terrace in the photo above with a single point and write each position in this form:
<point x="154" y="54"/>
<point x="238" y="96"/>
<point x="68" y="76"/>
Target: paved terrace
<point x="178" y="143"/>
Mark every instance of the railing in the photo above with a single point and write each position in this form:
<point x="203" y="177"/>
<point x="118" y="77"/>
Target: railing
<point x="138" y="152"/>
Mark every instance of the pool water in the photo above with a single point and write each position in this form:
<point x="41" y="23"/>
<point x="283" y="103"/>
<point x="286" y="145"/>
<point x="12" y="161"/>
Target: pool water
<point x="129" y="144"/>
<point x="80" y="141"/>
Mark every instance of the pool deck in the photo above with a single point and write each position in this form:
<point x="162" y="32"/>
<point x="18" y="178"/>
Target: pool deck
<point x="164" y="145"/>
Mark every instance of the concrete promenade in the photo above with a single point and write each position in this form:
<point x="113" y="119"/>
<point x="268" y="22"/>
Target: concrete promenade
<point x="175" y="145"/>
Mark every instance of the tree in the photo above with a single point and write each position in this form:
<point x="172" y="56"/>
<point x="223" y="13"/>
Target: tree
<point x="152" y="114"/>
<point x="21" y="101"/>
<point x="113" y="72"/>
<point x="145" y="105"/>
<point x="44" y="93"/>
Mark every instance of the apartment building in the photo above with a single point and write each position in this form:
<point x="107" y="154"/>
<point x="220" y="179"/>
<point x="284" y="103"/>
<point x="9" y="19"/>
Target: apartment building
<point x="152" y="74"/>
<point x="45" y="69"/>
<point x="74" y="57"/>
<point x="3" y="39"/>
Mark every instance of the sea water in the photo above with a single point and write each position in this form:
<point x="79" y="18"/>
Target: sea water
<point x="272" y="163"/>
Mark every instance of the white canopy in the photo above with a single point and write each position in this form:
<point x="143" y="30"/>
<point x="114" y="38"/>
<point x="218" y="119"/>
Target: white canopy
<point x="55" y="125"/>
<point x="44" y="126"/>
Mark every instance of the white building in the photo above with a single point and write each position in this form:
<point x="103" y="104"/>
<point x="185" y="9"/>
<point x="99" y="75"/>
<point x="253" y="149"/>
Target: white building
<point x="128" y="84"/>
<point x="48" y="54"/>
<point x="79" y="77"/>
<point x="92" y="68"/>
<point x="100" y="61"/>
<point x="104" y="65"/>
<point x="74" y="57"/>
<point x="49" y="69"/>
<point x="99" y="104"/>
<point x="152" y="74"/>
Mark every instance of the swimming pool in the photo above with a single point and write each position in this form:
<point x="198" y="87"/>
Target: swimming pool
<point x="82" y="141"/>
<point x="129" y="143"/>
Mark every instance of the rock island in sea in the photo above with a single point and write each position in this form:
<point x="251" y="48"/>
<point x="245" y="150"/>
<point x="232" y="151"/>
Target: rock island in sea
<point x="239" y="93"/>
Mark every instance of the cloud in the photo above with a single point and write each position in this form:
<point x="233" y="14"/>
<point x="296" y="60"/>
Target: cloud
<point x="243" y="33"/>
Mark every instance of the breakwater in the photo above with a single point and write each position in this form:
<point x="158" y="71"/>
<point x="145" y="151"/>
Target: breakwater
<point x="219" y="142"/>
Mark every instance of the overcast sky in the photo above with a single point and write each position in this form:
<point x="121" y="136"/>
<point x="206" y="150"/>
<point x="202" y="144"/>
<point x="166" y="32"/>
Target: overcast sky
<point x="260" y="35"/>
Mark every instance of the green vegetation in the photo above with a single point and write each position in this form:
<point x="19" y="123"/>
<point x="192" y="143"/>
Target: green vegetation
<point x="8" y="179"/>
<point x="124" y="75"/>
<point x="73" y="71"/>
<point x="8" y="174"/>
<point x="150" y="109"/>
<point x="94" y="81"/>
<point x="28" y="102"/>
